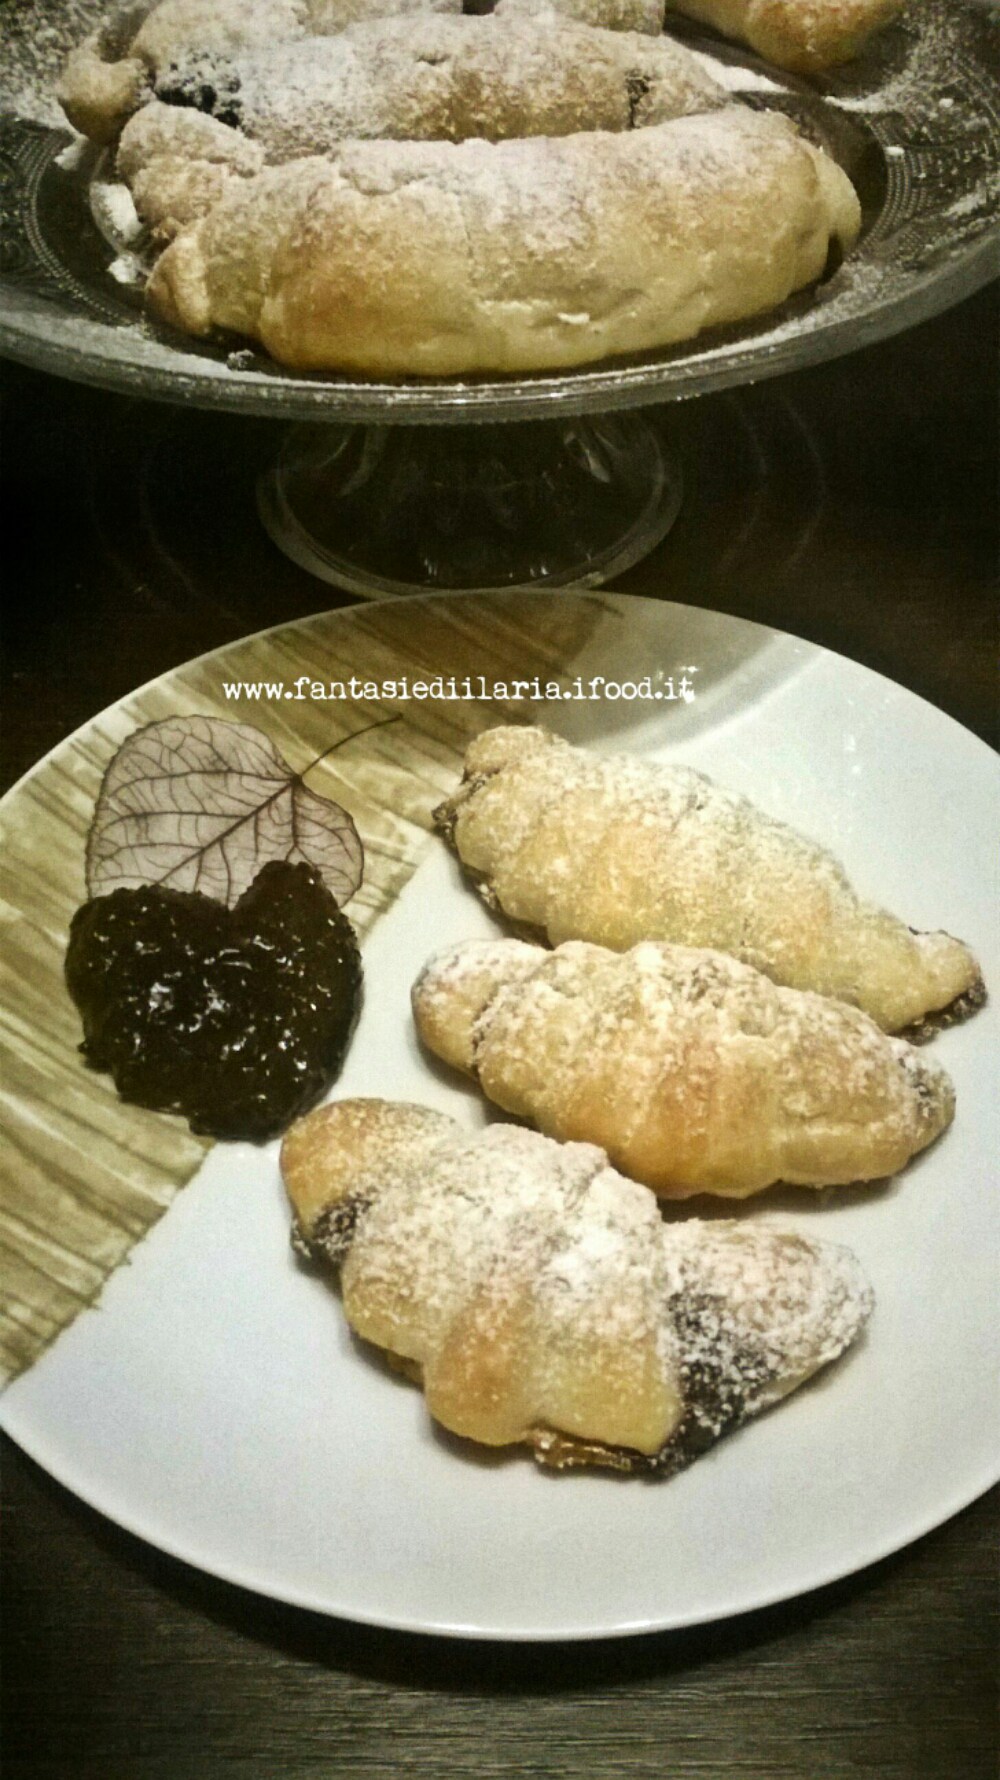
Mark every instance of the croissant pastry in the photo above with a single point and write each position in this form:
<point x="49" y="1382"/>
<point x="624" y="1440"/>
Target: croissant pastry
<point x="444" y="79"/>
<point x="540" y="1299"/>
<point x="221" y="118"/>
<point x="616" y="850"/>
<point x="693" y="1071"/>
<point x="444" y="258"/>
<point x="806" y="36"/>
<point x="109" y="75"/>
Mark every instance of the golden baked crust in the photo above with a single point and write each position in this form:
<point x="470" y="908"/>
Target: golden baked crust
<point x="440" y="259"/>
<point x="693" y="1071"/>
<point x="805" y="36"/>
<point x="616" y="850"/>
<point x="541" y="1301"/>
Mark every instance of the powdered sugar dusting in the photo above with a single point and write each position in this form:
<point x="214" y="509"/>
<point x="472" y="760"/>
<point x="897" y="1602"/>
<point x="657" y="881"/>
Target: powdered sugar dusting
<point x="919" y="72"/>
<point x="616" y="850"/>
<point x="695" y="1071"/>
<point x="536" y="1266"/>
<point x="38" y="35"/>
<point x="795" y="1304"/>
<point x="936" y="60"/>
<point x="445" y="78"/>
<point x="735" y="76"/>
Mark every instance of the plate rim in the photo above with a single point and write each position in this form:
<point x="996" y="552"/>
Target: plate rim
<point x="590" y="594"/>
<point x="824" y="1577"/>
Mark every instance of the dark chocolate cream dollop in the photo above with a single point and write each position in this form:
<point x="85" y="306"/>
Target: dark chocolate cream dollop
<point x="238" y="1018"/>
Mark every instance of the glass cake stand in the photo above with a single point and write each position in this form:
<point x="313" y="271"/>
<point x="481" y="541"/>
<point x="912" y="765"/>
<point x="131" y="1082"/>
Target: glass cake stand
<point x="548" y="480"/>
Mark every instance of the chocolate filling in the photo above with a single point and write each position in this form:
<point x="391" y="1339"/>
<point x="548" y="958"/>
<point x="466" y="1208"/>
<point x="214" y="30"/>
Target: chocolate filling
<point x="332" y="1233"/>
<point x="962" y="1008"/>
<point x="636" y="89"/>
<point x="206" y="84"/>
<point x="722" y="1380"/>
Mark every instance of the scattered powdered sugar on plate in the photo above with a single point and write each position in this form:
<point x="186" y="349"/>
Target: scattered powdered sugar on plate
<point x="887" y="94"/>
<point x="129" y="270"/>
<point x="71" y="158"/>
<point x="932" y="43"/>
<point x="973" y="203"/>
<point x="735" y="76"/>
<point x="114" y="212"/>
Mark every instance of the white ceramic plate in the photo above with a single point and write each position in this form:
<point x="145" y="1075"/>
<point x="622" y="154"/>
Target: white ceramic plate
<point x="215" y="1405"/>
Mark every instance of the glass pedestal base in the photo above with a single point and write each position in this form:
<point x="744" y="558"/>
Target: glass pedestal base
<point x="383" y="510"/>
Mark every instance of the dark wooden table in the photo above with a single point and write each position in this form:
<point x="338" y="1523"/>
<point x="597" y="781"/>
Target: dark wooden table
<point x="854" y="504"/>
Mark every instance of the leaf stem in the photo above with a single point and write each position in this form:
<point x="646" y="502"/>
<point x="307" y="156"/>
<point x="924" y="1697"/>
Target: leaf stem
<point x="366" y="728"/>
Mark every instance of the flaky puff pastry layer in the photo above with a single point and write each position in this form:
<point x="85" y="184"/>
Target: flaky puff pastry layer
<point x="616" y="850"/>
<point x="693" y="1071"/>
<point x="539" y="1297"/>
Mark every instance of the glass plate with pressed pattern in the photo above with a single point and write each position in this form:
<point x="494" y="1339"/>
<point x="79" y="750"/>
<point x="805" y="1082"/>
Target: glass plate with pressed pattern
<point x="916" y="122"/>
